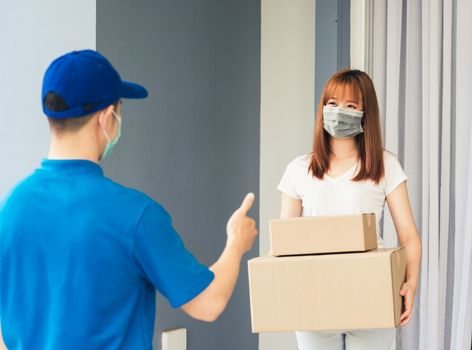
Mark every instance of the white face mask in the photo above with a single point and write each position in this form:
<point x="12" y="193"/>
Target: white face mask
<point x="342" y="122"/>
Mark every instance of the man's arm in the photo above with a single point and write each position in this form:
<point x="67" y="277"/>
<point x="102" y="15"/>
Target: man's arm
<point x="241" y="231"/>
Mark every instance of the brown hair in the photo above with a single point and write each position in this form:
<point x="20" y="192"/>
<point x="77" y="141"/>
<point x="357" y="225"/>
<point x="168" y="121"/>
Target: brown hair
<point x="369" y="143"/>
<point x="66" y="125"/>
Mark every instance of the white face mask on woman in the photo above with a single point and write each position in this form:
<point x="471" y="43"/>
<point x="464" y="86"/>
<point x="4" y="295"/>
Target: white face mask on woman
<point x="342" y="122"/>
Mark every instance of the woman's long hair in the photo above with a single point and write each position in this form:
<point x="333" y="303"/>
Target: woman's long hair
<point x="369" y="143"/>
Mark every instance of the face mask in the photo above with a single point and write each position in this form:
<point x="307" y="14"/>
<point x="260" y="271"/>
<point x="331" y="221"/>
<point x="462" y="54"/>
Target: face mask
<point x="342" y="122"/>
<point x="111" y="143"/>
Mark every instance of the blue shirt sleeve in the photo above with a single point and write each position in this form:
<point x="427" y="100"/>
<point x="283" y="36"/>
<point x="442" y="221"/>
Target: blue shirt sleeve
<point x="164" y="260"/>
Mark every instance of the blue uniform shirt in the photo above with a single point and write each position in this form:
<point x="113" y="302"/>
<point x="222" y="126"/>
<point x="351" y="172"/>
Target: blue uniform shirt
<point x="81" y="258"/>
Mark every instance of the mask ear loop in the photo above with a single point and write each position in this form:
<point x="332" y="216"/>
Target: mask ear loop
<point x="103" y="129"/>
<point x="117" y="116"/>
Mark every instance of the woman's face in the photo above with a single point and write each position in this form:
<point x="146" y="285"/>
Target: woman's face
<point x="346" y="97"/>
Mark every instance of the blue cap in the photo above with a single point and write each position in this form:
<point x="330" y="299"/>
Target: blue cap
<point x="84" y="82"/>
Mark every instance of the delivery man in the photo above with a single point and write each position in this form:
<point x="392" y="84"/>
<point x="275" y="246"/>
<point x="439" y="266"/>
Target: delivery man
<point x="82" y="256"/>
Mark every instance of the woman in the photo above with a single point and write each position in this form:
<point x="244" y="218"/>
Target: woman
<point x="349" y="172"/>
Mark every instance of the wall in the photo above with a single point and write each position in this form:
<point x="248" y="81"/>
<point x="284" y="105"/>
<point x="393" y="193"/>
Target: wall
<point x="193" y="145"/>
<point x="32" y="34"/>
<point x="287" y="110"/>
<point x="332" y="40"/>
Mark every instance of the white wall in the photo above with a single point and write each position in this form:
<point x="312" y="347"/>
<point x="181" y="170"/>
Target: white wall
<point x="32" y="33"/>
<point x="287" y="110"/>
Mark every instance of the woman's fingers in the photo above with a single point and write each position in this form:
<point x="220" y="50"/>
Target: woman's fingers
<point x="407" y="293"/>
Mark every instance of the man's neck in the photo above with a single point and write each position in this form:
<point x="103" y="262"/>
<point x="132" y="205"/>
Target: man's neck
<point x="73" y="146"/>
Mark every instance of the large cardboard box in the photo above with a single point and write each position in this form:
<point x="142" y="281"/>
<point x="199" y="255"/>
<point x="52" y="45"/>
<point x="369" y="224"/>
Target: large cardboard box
<point x="323" y="234"/>
<point x="327" y="292"/>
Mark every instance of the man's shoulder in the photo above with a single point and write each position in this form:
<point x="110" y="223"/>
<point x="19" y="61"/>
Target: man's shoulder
<point x="130" y="200"/>
<point x="20" y="187"/>
<point x="126" y="193"/>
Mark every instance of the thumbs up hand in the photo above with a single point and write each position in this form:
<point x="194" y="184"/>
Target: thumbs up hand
<point x="241" y="229"/>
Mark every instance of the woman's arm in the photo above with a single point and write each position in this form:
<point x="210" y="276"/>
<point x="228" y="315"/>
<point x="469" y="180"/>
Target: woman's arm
<point x="291" y="207"/>
<point x="400" y="209"/>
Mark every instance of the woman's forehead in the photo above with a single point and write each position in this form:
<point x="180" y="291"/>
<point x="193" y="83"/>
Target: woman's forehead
<point x="344" y="92"/>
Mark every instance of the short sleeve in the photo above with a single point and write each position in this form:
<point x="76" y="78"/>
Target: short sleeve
<point x="164" y="260"/>
<point x="394" y="174"/>
<point x="288" y="182"/>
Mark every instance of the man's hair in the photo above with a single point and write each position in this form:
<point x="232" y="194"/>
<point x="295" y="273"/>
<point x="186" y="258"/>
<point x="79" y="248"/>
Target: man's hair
<point x="56" y="103"/>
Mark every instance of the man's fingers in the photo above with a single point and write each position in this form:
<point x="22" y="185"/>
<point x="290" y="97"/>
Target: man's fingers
<point x="247" y="203"/>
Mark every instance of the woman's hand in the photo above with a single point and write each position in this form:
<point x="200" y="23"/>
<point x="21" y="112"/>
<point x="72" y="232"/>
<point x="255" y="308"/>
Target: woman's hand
<point x="408" y="293"/>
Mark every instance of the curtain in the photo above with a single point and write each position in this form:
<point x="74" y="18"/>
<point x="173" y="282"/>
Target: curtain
<point x="421" y="67"/>
<point x="462" y="297"/>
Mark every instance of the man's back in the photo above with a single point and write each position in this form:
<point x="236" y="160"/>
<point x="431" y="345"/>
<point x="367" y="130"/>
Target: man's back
<point x="81" y="259"/>
<point x="81" y="256"/>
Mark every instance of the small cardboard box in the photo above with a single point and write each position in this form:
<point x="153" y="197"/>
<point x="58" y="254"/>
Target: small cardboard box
<point x="327" y="292"/>
<point x="323" y="234"/>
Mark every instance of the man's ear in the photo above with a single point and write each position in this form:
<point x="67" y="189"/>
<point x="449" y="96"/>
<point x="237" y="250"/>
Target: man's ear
<point x="105" y="117"/>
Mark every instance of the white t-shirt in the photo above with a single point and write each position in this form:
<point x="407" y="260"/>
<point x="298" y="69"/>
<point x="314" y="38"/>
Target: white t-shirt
<point x="341" y="196"/>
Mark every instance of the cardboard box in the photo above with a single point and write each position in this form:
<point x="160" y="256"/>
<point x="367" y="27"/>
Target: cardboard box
<point x="323" y="234"/>
<point x="327" y="292"/>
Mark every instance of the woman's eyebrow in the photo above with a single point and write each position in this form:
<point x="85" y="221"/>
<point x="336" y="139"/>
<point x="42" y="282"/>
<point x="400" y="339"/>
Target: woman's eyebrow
<point x="349" y="101"/>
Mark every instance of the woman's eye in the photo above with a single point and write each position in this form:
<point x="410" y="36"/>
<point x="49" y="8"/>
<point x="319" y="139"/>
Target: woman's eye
<point x="351" y="106"/>
<point x="331" y="103"/>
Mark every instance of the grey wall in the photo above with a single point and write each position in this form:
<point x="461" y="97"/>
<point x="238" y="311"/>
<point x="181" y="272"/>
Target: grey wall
<point x="331" y="40"/>
<point x="193" y="145"/>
